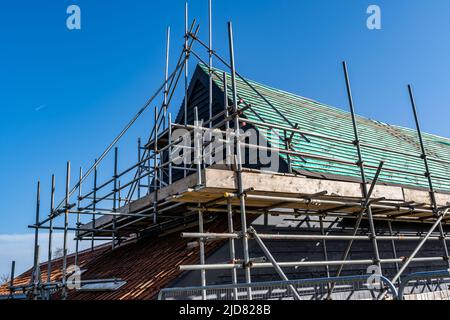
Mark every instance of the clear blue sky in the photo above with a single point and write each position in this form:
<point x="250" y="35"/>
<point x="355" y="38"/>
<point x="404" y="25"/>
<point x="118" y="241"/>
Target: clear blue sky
<point x="64" y="94"/>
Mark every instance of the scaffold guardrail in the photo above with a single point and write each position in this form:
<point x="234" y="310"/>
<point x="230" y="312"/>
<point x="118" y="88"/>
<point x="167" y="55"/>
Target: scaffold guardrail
<point x="345" y="288"/>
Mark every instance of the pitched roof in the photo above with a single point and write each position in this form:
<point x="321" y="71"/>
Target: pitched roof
<point x="147" y="265"/>
<point x="397" y="146"/>
<point x="83" y="258"/>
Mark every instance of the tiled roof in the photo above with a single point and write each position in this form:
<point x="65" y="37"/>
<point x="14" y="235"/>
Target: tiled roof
<point x="147" y="266"/>
<point x="83" y="258"/>
<point x="282" y="108"/>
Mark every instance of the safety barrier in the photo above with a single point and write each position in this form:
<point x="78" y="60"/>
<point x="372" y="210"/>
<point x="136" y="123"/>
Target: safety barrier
<point x="345" y="288"/>
<point x="432" y="283"/>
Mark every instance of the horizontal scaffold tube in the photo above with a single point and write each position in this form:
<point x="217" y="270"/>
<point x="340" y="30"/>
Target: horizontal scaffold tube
<point x="327" y="202"/>
<point x="305" y="264"/>
<point x="333" y="160"/>
<point x="221" y="236"/>
<point x="331" y="138"/>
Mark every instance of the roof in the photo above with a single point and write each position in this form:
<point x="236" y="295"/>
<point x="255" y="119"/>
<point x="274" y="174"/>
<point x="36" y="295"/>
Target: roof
<point x="397" y="146"/>
<point x="83" y="258"/>
<point x="147" y="265"/>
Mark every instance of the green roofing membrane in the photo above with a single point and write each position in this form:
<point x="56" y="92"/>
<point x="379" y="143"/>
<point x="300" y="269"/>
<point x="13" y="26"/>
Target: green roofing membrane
<point x="274" y="106"/>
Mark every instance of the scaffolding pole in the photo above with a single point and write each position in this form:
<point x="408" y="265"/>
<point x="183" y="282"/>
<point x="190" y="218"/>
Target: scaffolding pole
<point x="36" y="275"/>
<point x="273" y="261"/>
<point x="139" y="168"/>
<point x="210" y="64"/>
<point x="238" y="162"/>
<point x="94" y="206"/>
<point x="166" y="75"/>
<point x="11" y="278"/>
<point x="115" y="168"/>
<point x="155" y="167"/>
<point x="186" y="64"/>
<point x="365" y="192"/>
<point x="394" y="248"/>
<point x="306" y="264"/>
<point x="324" y="247"/>
<point x="66" y="225"/>
<point x="202" y="252"/>
<point x="232" y="245"/>
<point x="427" y="172"/>
<point x="50" y="230"/>
<point x="77" y="240"/>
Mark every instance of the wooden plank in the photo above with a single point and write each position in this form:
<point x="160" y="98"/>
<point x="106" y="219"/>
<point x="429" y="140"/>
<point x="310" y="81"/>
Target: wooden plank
<point x="288" y="184"/>
<point x="218" y="181"/>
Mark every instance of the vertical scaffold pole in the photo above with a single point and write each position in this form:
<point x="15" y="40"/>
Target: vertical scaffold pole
<point x="50" y="230"/>
<point x="232" y="246"/>
<point x="77" y="240"/>
<point x="116" y="154"/>
<point x="139" y="170"/>
<point x="225" y="99"/>
<point x="324" y="247"/>
<point x="170" y="147"/>
<point x="428" y="173"/>
<point x="11" y="277"/>
<point x="198" y="146"/>
<point x="119" y="195"/>
<point x="160" y="167"/>
<point x="361" y="167"/>
<point x="94" y="206"/>
<point x="37" y="276"/>
<point x="155" y="167"/>
<point x="149" y="170"/>
<point x="36" y="270"/>
<point x="202" y="251"/>
<point x="210" y="65"/>
<point x="228" y="156"/>
<point x="186" y="73"/>
<point x="287" y="145"/>
<point x="239" y="162"/>
<point x="394" y="248"/>
<point x="66" y="225"/>
<point x="36" y="230"/>
<point x="186" y="64"/>
<point x="166" y="75"/>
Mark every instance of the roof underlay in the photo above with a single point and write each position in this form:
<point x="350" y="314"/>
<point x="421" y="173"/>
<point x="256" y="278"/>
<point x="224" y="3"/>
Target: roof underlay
<point x="397" y="146"/>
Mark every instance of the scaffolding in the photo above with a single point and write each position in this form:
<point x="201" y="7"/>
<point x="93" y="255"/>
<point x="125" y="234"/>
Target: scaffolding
<point x="158" y="193"/>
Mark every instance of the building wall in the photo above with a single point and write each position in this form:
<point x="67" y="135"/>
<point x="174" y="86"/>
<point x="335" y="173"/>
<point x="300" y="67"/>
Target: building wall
<point x="291" y="250"/>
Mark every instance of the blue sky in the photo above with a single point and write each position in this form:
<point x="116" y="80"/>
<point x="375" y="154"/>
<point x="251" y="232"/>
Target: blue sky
<point x="65" y="94"/>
